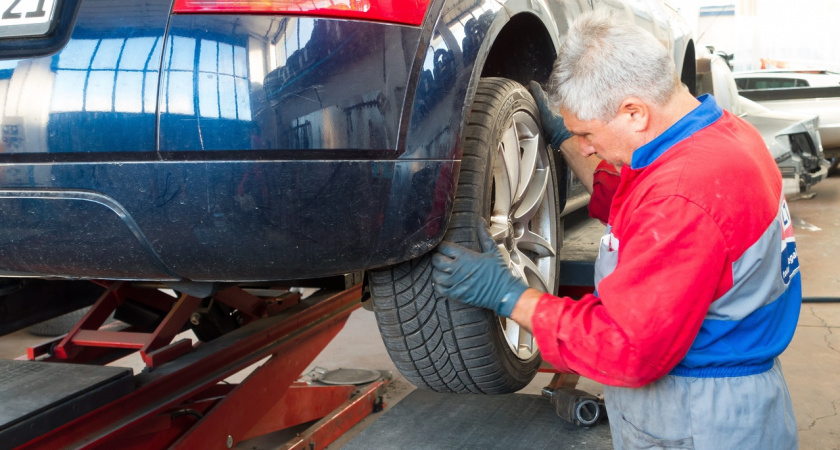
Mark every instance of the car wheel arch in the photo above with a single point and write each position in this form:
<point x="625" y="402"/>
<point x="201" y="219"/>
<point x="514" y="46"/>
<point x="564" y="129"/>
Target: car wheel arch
<point x="474" y="61"/>
<point x="490" y="60"/>
<point x="515" y="16"/>
<point x="688" y="72"/>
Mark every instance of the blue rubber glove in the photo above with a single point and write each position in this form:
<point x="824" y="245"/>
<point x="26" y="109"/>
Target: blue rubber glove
<point x="552" y="122"/>
<point x="478" y="279"/>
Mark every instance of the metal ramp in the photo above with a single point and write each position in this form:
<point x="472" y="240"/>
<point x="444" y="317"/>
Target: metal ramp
<point x="580" y="249"/>
<point x="38" y="396"/>
<point x="431" y="420"/>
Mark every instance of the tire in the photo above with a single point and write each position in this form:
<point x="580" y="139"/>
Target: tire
<point x="445" y="345"/>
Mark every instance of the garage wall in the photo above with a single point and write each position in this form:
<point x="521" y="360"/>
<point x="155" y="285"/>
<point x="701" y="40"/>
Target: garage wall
<point x="800" y="34"/>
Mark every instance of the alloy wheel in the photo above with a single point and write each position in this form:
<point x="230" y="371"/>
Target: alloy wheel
<point x="524" y="216"/>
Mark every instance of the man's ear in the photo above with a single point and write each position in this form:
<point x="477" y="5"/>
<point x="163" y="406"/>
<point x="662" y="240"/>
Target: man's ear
<point x="636" y="114"/>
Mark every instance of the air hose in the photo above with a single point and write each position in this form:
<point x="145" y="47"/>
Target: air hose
<point x="820" y="299"/>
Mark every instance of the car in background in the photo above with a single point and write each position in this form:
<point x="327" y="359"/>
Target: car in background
<point x="202" y="143"/>
<point x="792" y="139"/>
<point x="801" y="92"/>
<point x="786" y="78"/>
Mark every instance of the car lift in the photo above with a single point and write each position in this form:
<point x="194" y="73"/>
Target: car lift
<point x="181" y="398"/>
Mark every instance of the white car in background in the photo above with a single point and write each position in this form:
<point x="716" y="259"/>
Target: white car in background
<point x="791" y="138"/>
<point x="802" y="92"/>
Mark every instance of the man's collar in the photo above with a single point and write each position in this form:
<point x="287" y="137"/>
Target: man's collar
<point x="700" y="117"/>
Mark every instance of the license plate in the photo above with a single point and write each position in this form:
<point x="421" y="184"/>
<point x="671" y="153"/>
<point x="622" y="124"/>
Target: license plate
<point x="26" y="17"/>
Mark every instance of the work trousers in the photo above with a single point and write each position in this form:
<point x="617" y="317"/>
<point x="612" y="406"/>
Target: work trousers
<point x="747" y="412"/>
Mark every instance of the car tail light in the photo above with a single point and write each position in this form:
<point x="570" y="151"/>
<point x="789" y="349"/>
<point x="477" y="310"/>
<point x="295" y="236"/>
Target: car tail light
<point x="410" y="12"/>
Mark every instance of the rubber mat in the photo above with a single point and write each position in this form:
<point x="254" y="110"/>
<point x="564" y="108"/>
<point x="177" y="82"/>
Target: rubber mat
<point x="430" y="420"/>
<point x="39" y="396"/>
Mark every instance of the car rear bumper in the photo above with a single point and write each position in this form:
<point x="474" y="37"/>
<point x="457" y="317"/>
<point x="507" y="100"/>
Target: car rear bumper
<point x="219" y="220"/>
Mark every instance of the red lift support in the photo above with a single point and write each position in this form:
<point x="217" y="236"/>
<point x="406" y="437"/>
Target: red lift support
<point x="181" y="398"/>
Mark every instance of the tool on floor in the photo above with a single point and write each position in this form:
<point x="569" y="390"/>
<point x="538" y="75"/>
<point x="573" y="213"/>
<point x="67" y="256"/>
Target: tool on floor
<point x="575" y="406"/>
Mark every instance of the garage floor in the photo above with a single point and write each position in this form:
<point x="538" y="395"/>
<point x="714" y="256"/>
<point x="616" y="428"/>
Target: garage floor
<point x="811" y="363"/>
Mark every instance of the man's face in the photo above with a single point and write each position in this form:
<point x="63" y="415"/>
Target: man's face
<point x="609" y="141"/>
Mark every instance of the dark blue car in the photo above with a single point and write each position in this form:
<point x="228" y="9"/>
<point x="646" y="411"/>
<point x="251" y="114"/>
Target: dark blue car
<point x="200" y="141"/>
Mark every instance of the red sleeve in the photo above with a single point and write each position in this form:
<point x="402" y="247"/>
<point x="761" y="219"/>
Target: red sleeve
<point x="649" y="309"/>
<point x="605" y="182"/>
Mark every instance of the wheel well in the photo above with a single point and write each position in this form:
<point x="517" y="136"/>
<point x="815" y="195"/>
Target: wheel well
<point x="689" y="69"/>
<point x="522" y="51"/>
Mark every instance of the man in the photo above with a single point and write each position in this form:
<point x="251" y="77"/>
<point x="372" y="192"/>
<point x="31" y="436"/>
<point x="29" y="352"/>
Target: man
<point x="697" y="281"/>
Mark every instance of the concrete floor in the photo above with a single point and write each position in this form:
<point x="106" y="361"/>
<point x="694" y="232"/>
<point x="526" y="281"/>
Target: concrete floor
<point x="811" y="363"/>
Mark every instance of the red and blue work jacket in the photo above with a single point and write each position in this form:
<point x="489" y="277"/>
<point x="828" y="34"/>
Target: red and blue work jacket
<point x="698" y="273"/>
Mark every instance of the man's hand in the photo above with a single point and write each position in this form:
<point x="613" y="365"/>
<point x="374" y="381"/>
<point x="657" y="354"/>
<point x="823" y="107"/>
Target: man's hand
<point x="559" y="139"/>
<point x="552" y="122"/>
<point x="478" y="279"/>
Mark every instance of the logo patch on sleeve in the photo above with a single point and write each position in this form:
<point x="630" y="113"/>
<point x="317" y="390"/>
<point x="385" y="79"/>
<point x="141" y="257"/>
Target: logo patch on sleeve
<point x="790" y="259"/>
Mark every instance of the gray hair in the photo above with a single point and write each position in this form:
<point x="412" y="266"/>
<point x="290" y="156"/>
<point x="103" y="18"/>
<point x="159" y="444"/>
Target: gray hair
<point x="606" y="59"/>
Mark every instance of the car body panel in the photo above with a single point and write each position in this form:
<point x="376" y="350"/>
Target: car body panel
<point x="227" y="147"/>
<point x="220" y="220"/>
<point x="97" y="94"/>
<point x="773" y="123"/>
<point x="325" y="86"/>
<point x="79" y="229"/>
<point x="827" y="108"/>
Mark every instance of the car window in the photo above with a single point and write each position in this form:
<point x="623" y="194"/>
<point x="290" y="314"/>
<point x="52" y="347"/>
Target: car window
<point x="777" y="83"/>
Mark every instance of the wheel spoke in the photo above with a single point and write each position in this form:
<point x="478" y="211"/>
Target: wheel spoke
<point x="533" y="197"/>
<point x="512" y="333"/>
<point x="526" y="341"/>
<point x="529" y="271"/>
<point x="510" y="152"/>
<point x="528" y="165"/>
<point x="502" y="194"/>
<point x="520" y="340"/>
<point x="535" y="243"/>
<point x="499" y="229"/>
<point x="506" y="256"/>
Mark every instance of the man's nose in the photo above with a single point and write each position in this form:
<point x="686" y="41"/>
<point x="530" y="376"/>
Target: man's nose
<point x="585" y="147"/>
